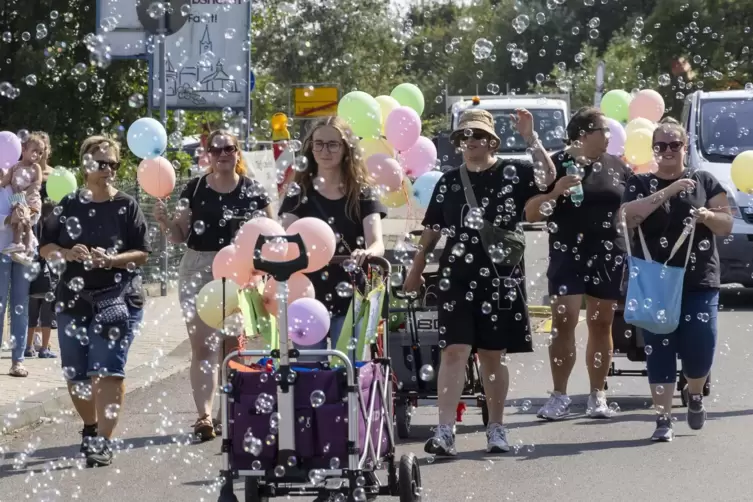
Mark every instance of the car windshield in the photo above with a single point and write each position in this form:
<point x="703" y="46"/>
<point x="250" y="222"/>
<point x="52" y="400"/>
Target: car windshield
<point x="549" y="124"/>
<point x="725" y="128"/>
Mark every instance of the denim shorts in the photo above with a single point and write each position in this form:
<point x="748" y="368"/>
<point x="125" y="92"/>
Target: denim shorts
<point x="88" y="349"/>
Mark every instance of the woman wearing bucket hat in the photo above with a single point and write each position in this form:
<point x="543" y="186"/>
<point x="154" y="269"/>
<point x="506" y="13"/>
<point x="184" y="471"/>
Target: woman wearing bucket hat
<point x="482" y="298"/>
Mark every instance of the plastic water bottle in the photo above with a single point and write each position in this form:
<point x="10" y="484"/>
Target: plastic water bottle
<point x="576" y="192"/>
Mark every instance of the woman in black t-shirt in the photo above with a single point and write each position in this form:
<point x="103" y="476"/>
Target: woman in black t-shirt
<point x="586" y="255"/>
<point x="210" y="211"/>
<point x="97" y="239"/>
<point x="332" y="189"/>
<point x="661" y="206"/>
<point x="482" y="302"/>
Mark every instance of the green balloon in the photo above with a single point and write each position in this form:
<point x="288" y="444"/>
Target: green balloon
<point x="615" y="104"/>
<point x="60" y="183"/>
<point x="362" y="112"/>
<point x="409" y="95"/>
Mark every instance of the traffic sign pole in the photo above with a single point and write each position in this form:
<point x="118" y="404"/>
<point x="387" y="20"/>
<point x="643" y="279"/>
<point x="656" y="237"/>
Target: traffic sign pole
<point x="162" y="40"/>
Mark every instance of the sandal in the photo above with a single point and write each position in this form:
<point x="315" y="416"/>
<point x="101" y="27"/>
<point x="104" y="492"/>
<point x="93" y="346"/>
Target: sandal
<point x="18" y="370"/>
<point x="204" y="429"/>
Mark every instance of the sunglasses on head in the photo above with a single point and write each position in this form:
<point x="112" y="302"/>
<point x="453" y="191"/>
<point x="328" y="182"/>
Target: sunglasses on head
<point x="227" y="149"/>
<point x="662" y="146"/>
<point x="107" y="163"/>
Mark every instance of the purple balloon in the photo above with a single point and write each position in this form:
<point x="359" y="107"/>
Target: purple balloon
<point x="617" y="138"/>
<point x="10" y="150"/>
<point x="308" y="321"/>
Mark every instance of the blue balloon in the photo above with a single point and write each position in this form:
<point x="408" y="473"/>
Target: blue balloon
<point x="423" y="188"/>
<point x="147" y="138"/>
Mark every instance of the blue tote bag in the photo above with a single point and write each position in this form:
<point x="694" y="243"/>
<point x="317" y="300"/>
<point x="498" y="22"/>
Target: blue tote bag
<point x="654" y="291"/>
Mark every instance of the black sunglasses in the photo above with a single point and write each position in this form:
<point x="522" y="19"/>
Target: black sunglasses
<point x="662" y="146"/>
<point x="111" y="164"/>
<point x="227" y="149"/>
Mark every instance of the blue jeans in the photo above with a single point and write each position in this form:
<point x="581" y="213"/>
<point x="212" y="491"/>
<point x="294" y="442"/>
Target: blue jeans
<point x="694" y="340"/>
<point x="87" y="349"/>
<point x="14" y="292"/>
<point x="335" y="328"/>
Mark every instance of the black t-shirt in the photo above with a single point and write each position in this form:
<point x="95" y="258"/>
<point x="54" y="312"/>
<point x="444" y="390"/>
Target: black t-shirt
<point x="116" y="225"/>
<point x="216" y="217"/>
<point x="591" y="225"/>
<point x="350" y="234"/>
<point x="502" y="190"/>
<point x="47" y="207"/>
<point x="664" y="226"/>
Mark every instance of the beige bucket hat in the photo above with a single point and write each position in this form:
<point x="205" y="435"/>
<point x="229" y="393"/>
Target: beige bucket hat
<point x="475" y="119"/>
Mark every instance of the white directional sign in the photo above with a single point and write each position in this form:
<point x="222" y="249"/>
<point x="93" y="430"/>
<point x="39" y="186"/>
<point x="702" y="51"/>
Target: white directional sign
<point x="208" y="58"/>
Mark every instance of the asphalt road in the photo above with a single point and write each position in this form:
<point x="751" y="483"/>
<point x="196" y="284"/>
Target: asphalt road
<point x="577" y="459"/>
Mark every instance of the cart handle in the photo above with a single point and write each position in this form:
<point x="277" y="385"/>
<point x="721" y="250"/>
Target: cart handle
<point x="378" y="261"/>
<point x="281" y="270"/>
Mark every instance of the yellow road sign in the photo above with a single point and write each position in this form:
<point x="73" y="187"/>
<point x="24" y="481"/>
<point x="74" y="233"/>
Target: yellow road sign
<point x="313" y="102"/>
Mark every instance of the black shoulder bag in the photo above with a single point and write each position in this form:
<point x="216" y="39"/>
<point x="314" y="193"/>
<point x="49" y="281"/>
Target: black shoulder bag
<point x="512" y="242"/>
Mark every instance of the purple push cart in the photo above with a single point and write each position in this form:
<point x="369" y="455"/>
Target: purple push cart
<point x="311" y="429"/>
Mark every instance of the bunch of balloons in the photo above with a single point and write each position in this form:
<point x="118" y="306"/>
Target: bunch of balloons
<point x="390" y="128"/>
<point x="632" y="120"/>
<point x="147" y="139"/>
<point x="234" y="263"/>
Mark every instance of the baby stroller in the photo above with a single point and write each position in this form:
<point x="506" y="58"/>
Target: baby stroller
<point x="628" y="343"/>
<point x="309" y="429"/>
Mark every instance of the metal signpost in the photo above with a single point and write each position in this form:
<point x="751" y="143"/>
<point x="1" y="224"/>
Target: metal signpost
<point x="600" y="70"/>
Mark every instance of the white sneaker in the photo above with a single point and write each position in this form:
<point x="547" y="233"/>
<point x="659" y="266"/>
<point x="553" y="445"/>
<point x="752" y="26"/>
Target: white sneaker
<point x="496" y="439"/>
<point x="598" y="407"/>
<point x="443" y="442"/>
<point x="556" y="408"/>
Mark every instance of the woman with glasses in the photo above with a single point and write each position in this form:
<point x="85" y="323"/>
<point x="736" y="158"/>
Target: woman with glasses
<point x="335" y="188"/>
<point x="586" y="254"/>
<point x="662" y="206"/>
<point x="210" y="211"/>
<point x="97" y="240"/>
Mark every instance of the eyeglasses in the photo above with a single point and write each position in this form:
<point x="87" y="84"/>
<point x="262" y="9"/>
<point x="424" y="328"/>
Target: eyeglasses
<point x="219" y="150"/>
<point x="332" y="146"/>
<point x="662" y="146"/>
<point x="107" y="163"/>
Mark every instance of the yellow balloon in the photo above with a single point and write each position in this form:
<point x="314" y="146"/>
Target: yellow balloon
<point x="209" y="305"/>
<point x="370" y="146"/>
<point x="639" y="123"/>
<point x="639" y="147"/>
<point x="742" y="172"/>
<point x="398" y="198"/>
<point x="387" y="104"/>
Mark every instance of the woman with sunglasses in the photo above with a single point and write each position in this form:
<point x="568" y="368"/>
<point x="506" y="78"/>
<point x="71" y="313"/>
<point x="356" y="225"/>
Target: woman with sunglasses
<point x="335" y="188"/>
<point x="586" y="255"/>
<point x="662" y="206"/>
<point x="97" y="240"/>
<point x="211" y="209"/>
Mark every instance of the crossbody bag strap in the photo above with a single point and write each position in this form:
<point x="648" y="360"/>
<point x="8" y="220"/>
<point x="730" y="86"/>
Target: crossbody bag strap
<point x="680" y="240"/>
<point x="193" y="196"/>
<point x="320" y="209"/>
<point x="470" y="198"/>
<point x="642" y="238"/>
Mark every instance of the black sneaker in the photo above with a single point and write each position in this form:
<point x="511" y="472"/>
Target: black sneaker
<point x="102" y="456"/>
<point x="696" y="410"/>
<point x="87" y="434"/>
<point x="664" y="432"/>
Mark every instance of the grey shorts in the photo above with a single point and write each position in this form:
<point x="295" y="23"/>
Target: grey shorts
<point x="194" y="272"/>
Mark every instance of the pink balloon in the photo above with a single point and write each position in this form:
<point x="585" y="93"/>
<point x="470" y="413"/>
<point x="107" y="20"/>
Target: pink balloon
<point x="421" y="158"/>
<point x="402" y="128"/>
<point x="319" y="240"/>
<point x="385" y="170"/>
<point x="299" y="286"/>
<point x="246" y="238"/>
<point x="308" y="321"/>
<point x="10" y="150"/>
<point x="156" y="177"/>
<point x="647" y="104"/>
<point x="617" y="138"/>
<point x="231" y="264"/>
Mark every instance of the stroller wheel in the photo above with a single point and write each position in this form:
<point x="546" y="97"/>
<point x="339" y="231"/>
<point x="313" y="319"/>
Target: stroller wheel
<point x="707" y="387"/>
<point x="252" y="491"/>
<point x="410" y="479"/>
<point x="402" y="418"/>
<point x="484" y="412"/>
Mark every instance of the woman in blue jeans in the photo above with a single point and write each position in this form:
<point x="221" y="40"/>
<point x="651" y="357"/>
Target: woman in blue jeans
<point x="14" y="288"/>
<point x="662" y="205"/>
<point x="332" y="189"/>
<point x="98" y="239"/>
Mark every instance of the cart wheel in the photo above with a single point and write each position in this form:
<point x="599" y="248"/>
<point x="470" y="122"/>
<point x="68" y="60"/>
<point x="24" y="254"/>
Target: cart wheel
<point x="410" y="479"/>
<point x="484" y="412"/>
<point x="681" y="382"/>
<point x="707" y="387"/>
<point x="683" y="398"/>
<point x="252" y="491"/>
<point x="402" y="418"/>
<point x="226" y="492"/>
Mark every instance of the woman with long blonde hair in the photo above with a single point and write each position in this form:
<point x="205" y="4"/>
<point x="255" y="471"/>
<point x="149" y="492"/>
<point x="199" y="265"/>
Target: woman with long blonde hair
<point x="211" y="209"/>
<point x="335" y="187"/>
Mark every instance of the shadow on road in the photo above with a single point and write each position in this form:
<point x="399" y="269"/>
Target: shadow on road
<point x="736" y="299"/>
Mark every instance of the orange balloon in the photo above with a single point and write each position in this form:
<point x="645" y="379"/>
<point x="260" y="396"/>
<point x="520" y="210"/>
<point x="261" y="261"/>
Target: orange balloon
<point x="156" y="177"/>
<point x="229" y="263"/>
<point x="298" y="286"/>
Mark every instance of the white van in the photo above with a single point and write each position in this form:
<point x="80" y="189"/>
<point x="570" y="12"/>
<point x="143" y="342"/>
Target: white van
<point x="719" y="126"/>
